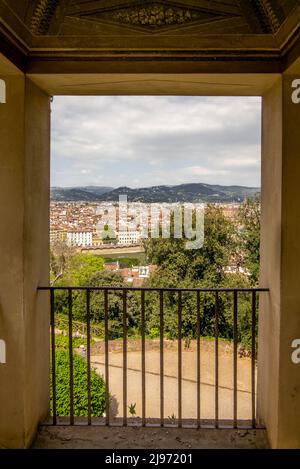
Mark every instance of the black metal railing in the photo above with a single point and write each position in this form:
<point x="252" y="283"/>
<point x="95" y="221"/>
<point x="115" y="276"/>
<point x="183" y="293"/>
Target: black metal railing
<point x="197" y="421"/>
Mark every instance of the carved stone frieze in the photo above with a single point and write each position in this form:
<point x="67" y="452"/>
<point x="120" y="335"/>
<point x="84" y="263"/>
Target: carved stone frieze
<point x="156" y="15"/>
<point x="42" y="16"/>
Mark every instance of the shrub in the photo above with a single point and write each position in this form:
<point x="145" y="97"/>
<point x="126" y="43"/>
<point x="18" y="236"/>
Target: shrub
<point x="80" y="387"/>
<point x="62" y="341"/>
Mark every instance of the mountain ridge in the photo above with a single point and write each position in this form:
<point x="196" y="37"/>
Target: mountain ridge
<point x="189" y="192"/>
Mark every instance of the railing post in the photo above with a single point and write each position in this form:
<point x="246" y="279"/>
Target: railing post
<point x="179" y="360"/>
<point x="106" y="338"/>
<point x="143" y="364"/>
<point x="88" y="352"/>
<point x="235" y="342"/>
<point x="124" y="358"/>
<point x="198" y="362"/>
<point x="253" y="358"/>
<point x="53" y="356"/>
<point x="216" y="359"/>
<point x="71" y="368"/>
<point x="161" y="348"/>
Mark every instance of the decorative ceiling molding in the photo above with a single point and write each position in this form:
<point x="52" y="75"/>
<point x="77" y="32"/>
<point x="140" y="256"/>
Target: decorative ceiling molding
<point x="156" y="15"/>
<point x="42" y="16"/>
<point x="151" y="16"/>
<point x="268" y="16"/>
<point x="47" y="16"/>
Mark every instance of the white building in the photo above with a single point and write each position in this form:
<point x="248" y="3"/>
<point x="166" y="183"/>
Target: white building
<point x="80" y="238"/>
<point x="143" y="271"/>
<point x="129" y="237"/>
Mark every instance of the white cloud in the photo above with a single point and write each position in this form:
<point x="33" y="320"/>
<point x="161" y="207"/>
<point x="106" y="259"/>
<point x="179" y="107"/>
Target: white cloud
<point x="145" y="140"/>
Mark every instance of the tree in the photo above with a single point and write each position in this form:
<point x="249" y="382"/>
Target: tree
<point x="178" y="265"/>
<point x="249" y="238"/>
<point x="108" y="235"/>
<point x="182" y="268"/>
<point x="114" y="306"/>
<point x="203" y="268"/>
<point x="69" y="269"/>
<point x="60" y="254"/>
<point x="80" y="267"/>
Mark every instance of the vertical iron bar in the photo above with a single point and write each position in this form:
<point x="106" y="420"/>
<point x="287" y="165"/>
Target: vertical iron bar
<point x="198" y="362"/>
<point x="179" y="359"/>
<point x="107" y="400"/>
<point x="217" y="360"/>
<point x="235" y="342"/>
<point x="143" y="358"/>
<point x="161" y="335"/>
<point x="253" y="351"/>
<point x="70" y="300"/>
<point x="53" y="359"/>
<point x="124" y="358"/>
<point x="88" y="351"/>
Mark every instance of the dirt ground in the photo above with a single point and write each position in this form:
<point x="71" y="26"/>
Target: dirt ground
<point x="189" y="379"/>
<point x="147" y="438"/>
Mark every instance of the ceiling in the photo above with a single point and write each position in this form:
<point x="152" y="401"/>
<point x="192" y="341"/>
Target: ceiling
<point x="41" y="31"/>
<point x="92" y="18"/>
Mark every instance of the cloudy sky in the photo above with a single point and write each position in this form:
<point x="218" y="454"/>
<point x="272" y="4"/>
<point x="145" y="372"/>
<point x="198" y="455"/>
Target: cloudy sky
<point x="144" y="140"/>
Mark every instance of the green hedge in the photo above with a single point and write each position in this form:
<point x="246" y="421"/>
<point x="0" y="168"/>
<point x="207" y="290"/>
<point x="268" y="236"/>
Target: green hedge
<point x="80" y="387"/>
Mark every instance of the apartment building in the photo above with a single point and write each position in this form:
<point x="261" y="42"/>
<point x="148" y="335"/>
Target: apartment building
<point x="128" y="237"/>
<point x="80" y="238"/>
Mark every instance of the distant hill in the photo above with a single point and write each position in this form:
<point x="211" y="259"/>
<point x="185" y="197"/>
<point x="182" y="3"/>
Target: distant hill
<point x="196" y="192"/>
<point x="98" y="190"/>
<point x="75" y="194"/>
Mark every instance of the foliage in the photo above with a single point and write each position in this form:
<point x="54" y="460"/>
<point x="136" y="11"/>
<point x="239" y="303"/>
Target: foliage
<point x="249" y="235"/>
<point x="59" y="254"/>
<point x="108" y="234"/>
<point x="177" y="264"/>
<point x="62" y="341"/>
<point x="132" y="409"/>
<point x="124" y="261"/>
<point x="81" y="267"/>
<point x="115" y="303"/>
<point x="78" y="269"/>
<point x="204" y="268"/>
<point x="80" y="384"/>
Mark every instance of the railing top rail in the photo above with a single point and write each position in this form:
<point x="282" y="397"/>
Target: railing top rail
<point x="175" y="289"/>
